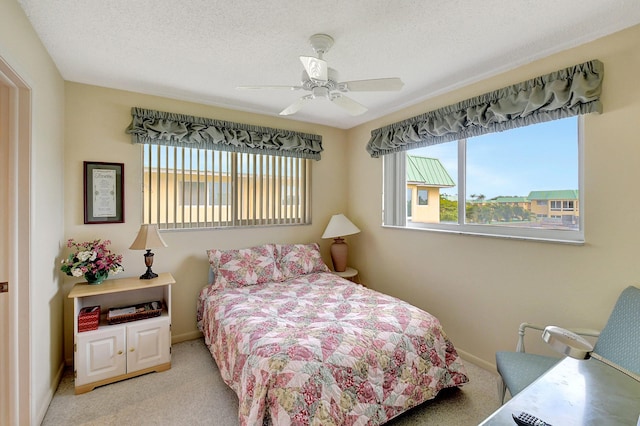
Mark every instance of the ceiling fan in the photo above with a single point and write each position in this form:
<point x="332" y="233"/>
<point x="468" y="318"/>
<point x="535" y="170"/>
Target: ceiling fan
<point x="323" y="83"/>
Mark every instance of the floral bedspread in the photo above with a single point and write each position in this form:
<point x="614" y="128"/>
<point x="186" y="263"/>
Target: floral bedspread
<point x="319" y="350"/>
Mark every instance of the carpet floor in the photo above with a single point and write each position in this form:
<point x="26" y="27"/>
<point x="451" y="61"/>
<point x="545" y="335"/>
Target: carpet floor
<point x="193" y="393"/>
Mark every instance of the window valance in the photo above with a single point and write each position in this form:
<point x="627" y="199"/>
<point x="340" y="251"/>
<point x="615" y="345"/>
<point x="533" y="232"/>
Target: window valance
<point x="165" y="128"/>
<point x="564" y="93"/>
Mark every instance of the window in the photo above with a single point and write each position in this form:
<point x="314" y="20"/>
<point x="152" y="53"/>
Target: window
<point x="557" y="205"/>
<point x="289" y="195"/>
<point x="423" y="197"/>
<point x="192" y="193"/>
<point x="197" y="188"/>
<point x="505" y="183"/>
<point x="221" y="193"/>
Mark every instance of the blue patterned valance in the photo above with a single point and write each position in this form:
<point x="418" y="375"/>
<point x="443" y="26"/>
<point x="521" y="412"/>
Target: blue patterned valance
<point x="165" y="128"/>
<point x="564" y="93"/>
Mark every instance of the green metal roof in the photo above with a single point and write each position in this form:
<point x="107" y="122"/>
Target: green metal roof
<point x="509" y="200"/>
<point x="427" y="171"/>
<point x="560" y="194"/>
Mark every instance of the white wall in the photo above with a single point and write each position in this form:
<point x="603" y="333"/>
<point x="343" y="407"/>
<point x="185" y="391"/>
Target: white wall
<point x="482" y="288"/>
<point x="21" y="48"/>
<point x="96" y="119"/>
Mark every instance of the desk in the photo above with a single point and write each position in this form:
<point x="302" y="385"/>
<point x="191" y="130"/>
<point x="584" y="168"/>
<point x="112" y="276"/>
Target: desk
<point x="580" y="393"/>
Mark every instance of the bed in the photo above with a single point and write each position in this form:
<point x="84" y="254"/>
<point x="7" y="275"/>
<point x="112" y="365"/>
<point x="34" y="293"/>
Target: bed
<point x="301" y="346"/>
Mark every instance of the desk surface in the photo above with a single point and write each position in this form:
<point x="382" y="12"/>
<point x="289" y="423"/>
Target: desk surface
<point x="580" y="393"/>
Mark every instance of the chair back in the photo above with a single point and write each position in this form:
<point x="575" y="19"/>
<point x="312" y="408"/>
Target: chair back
<point x="619" y="341"/>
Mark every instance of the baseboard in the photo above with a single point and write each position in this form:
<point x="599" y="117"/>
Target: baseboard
<point x="42" y="410"/>
<point x="477" y="361"/>
<point x="192" y="335"/>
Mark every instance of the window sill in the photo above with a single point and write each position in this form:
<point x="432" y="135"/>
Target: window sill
<point x="575" y="237"/>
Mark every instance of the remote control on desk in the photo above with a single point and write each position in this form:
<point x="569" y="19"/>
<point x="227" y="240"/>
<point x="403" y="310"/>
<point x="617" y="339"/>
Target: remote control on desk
<point x="526" y="419"/>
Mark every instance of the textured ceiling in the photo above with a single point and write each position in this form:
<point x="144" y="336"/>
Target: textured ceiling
<point x="201" y="50"/>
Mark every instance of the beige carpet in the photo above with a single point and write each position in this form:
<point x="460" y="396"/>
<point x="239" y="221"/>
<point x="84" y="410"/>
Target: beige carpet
<point x="192" y="393"/>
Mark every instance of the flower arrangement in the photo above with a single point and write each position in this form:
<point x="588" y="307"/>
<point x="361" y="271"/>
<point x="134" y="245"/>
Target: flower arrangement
<point x="91" y="259"/>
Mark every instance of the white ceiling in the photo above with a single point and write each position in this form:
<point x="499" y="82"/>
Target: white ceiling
<point x="201" y="50"/>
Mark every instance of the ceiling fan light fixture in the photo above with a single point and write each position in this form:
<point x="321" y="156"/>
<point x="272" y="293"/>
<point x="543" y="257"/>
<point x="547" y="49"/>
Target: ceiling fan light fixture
<point x="320" y="92"/>
<point x="323" y="82"/>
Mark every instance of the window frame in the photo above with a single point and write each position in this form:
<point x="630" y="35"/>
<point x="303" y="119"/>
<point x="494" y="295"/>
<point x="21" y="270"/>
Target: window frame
<point x="391" y="220"/>
<point x="255" y="184"/>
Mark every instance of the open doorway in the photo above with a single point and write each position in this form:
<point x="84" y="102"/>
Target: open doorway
<point x="15" y="141"/>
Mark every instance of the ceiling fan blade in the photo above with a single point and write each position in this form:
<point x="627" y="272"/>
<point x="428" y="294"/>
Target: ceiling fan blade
<point x="348" y="104"/>
<point x="316" y="68"/>
<point x="295" y="107"/>
<point x="373" y="85"/>
<point x="269" y="87"/>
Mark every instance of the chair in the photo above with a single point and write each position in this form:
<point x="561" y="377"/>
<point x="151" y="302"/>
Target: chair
<point x="618" y="343"/>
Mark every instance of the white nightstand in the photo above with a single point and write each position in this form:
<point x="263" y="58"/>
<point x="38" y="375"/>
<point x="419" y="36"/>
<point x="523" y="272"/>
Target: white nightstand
<point x="120" y="351"/>
<point x="350" y="274"/>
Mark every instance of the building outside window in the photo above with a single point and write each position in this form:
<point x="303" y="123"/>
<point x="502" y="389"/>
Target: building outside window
<point x="425" y="179"/>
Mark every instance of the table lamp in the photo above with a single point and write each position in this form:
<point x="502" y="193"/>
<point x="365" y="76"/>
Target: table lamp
<point x="148" y="238"/>
<point x="338" y="227"/>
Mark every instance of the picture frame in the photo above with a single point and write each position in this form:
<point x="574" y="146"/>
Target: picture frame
<point x="103" y="192"/>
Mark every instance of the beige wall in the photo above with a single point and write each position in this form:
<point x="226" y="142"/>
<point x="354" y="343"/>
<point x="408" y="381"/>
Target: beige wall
<point x="482" y="288"/>
<point x="22" y="50"/>
<point x="96" y="119"/>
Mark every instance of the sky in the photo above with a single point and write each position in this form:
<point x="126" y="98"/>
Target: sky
<point x="515" y="162"/>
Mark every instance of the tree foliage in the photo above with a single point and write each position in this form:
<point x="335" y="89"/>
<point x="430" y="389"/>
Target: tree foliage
<point x="480" y="211"/>
<point x="448" y="210"/>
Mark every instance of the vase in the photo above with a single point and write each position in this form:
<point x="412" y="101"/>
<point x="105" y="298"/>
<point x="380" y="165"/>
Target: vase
<point x="96" y="278"/>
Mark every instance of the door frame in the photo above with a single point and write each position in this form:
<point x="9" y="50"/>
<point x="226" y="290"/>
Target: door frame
<point x="17" y="108"/>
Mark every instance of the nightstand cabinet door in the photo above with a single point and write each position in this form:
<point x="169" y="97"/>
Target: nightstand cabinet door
<point x="148" y="344"/>
<point x="101" y="354"/>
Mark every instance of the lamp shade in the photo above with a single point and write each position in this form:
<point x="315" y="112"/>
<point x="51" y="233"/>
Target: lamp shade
<point x="148" y="238"/>
<point x="339" y="226"/>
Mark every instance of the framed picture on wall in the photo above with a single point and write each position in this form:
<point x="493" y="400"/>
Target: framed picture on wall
<point x="103" y="192"/>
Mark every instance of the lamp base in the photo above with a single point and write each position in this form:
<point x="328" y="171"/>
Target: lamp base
<point x="339" y="251"/>
<point x="148" y="261"/>
<point x="148" y="275"/>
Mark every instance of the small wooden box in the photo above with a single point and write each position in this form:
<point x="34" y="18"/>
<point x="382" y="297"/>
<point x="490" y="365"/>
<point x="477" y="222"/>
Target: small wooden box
<point x="88" y="318"/>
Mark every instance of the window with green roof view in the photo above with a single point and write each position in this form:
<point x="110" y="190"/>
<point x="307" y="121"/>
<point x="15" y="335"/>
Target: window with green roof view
<point x="523" y="182"/>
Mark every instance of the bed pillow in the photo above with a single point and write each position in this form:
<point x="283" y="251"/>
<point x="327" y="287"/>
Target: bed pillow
<point x="299" y="259"/>
<point x="244" y="267"/>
